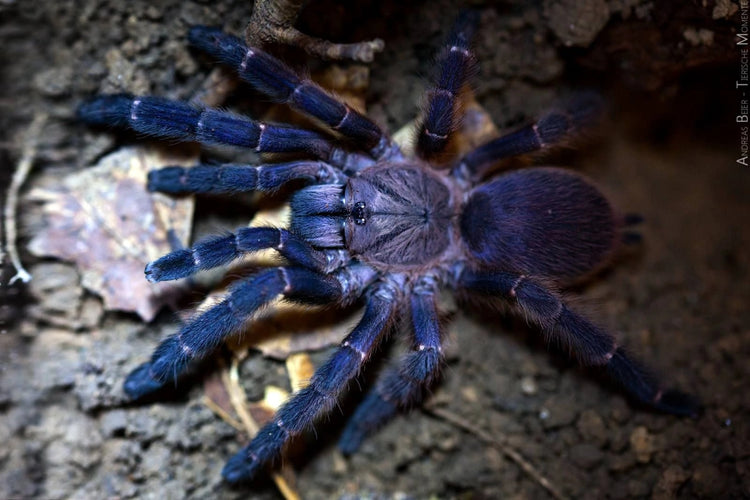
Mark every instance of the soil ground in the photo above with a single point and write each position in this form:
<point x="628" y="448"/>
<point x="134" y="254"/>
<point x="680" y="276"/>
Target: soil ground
<point x="680" y="300"/>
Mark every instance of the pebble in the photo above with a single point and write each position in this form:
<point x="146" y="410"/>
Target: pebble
<point x="621" y="463"/>
<point x="114" y="422"/>
<point x="708" y="481"/>
<point x="58" y="288"/>
<point x="586" y="456"/>
<point x="592" y="428"/>
<point x="642" y="444"/>
<point x="670" y="482"/>
<point x="558" y="411"/>
<point x="528" y="386"/>
<point x="54" y="82"/>
<point x="638" y="489"/>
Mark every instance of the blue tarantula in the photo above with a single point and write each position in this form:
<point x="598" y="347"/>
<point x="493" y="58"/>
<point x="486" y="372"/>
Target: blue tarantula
<point x="374" y="225"/>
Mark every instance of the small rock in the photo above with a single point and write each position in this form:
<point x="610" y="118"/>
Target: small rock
<point x="558" y="411"/>
<point x="469" y="394"/>
<point x="620" y="412"/>
<point x="724" y="9"/>
<point x="153" y="13"/>
<point x="699" y="36"/>
<point x="708" y="481"/>
<point x="576" y="22"/>
<point x="638" y="489"/>
<point x="91" y="312"/>
<point x="621" y="463"/>
<point x="670" y="481"/>
<point x="58" y="288"/>
<point x="642" y="444"/>
<point x="54" y="82"/>
<point x="586" y="456"/>
<point x="592" y="428"/>
<point x="528" y="386"/>
<point x="114" y="422"/>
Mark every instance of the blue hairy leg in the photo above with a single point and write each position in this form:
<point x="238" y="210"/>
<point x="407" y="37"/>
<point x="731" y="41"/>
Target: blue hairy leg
<point x="203" y="334"/>
<point x="159" y="117"/>
<point x="275" y="79"/>
<point x="456" y="65"/>
<point x="586" y="342"/>
<point x="402" y="385"/>
<point x="544" y="222"/>
<point x="581" y="114"/>
<point x="219" y="250"/>
<point x="239" y="178"/>
<point x="321" y="394"/>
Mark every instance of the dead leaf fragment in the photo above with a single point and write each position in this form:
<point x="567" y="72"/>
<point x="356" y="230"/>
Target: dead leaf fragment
<point x="105" y="221"/>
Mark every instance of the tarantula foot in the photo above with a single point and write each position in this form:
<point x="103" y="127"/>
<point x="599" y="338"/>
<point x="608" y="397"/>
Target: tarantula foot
<point x="678" y="403"/>
<point x="239" y="469"/>
<point x="172" y="266"/>
<point x="140" y="382"/>
<point x="111" y="110"/>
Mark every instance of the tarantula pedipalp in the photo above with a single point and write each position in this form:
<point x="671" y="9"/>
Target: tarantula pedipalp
<point x="375" y="225"/>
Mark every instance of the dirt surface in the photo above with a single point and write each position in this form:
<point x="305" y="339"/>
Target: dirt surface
<point x="680" y="300"/>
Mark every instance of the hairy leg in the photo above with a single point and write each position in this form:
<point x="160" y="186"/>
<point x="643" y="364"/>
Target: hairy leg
<point x="586" y="342"/>
<point x="275" y="79"/>
<point x="240" y="178"/>
<point x="456" y="65"/>
<point x="551" y="130"/>
<point x="402" y="385"/>
<point x="219" y="250"/>
<point x="321" y="394"/>
<point x="203" y="334"/>
<point x="159" y="117"/>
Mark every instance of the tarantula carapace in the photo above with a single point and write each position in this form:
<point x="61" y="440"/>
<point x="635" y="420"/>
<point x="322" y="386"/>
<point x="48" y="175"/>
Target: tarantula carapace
<point x="389" y="230"/>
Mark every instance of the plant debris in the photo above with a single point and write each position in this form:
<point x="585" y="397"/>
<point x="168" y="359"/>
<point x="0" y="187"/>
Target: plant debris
<point x="104" y="220"/>
<point x="272" y="22"/>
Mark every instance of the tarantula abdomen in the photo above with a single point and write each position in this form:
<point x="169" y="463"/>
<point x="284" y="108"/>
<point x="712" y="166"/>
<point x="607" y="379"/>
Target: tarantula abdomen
<point x="543" y="222"/>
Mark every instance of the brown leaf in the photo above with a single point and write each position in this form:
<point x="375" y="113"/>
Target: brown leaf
<point x="105" y="221"/>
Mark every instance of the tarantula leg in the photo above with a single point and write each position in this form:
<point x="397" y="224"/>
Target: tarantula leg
<point x="404" y="384"/>
<point x="276" y="80"/>
<point x="321" y="394"/>
<point x="219" y="250"/>
<point x="239" y="178"/>
<point x="203" y="334"/>
<point x="456" y="65"/>
<point x="159" y="117"/>
<point x="552" y="129"/>
<point x="585" y="341"/>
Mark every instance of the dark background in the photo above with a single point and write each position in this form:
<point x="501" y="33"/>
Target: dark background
<point x="680" y="301"/>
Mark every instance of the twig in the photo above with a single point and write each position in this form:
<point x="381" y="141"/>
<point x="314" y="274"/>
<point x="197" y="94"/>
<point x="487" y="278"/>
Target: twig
<point x="226" y="417"/>
<point x="272" y="22"/>
<point x="238" y="398"/>
<point x="231" y="380"/>
<point x="23" y="168"/>
<point x="500" y="444"/>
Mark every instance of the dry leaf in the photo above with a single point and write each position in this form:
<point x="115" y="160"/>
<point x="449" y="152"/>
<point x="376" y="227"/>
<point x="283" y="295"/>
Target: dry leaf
<point x="300" y="369"/>
<point x="105" y="221"/>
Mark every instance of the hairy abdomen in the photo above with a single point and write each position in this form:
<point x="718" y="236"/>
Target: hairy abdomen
<point x="546" y="222"/>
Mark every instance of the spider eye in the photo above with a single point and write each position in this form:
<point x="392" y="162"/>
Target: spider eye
<point x="359" y="213"/>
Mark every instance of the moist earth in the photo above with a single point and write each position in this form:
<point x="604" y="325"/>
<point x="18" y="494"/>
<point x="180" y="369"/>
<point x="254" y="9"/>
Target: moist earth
<point x="679" y="300"/>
